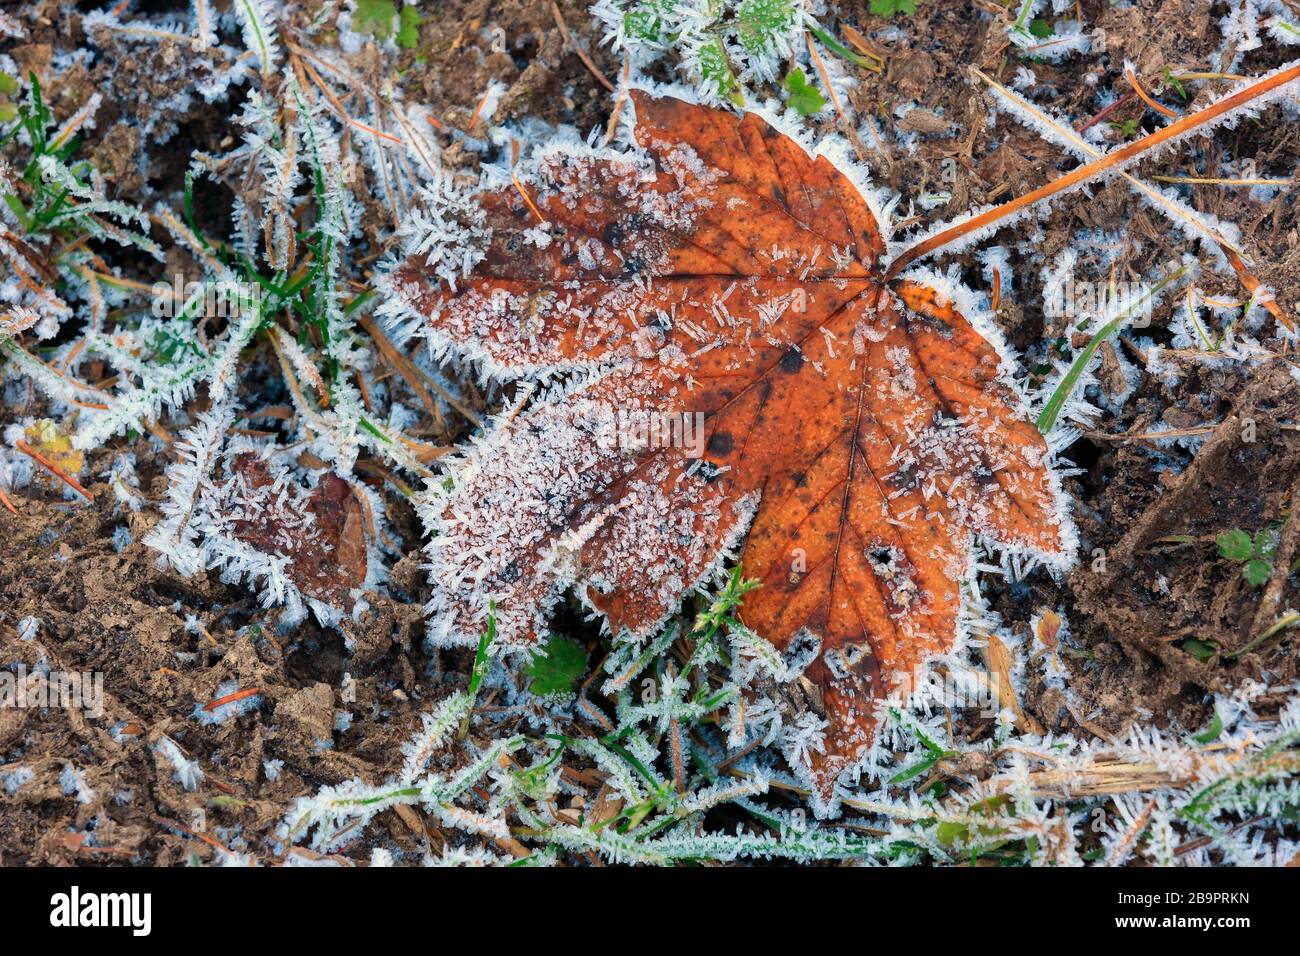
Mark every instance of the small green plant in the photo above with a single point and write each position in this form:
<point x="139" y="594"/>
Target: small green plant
<point x="726" y="45"/>
<point x="1254" y="552"/>
<point x="8" y="87"/>
<point x="378" y="18"/>
<point x="59" y="196"/>
<point x="803" y="96"/>
<point x="1211" y="733"/>
<point x="1175" y="84"/>
<point x="888" y="8"/>
<point x="1120" y="313"/>
<point x="1127" y="129"/>
<point x="482" y="658"/>
<point x="934" y="753"/>
<point x="558" y="668"/>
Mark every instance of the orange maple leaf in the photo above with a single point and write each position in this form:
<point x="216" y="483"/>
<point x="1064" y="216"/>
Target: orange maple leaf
<point x="856" y="425"/>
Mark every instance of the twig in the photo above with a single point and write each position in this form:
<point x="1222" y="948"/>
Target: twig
<point x="229" y="698"/>
<point x="412" y="373"/>
<point x="582" y="54"/>
<point x="612" y="128"/>
<point x="1098" y="117"/>
<point x="527" y="198"/>
<point x="1146" y="98"/>
<point x="835" y="100"/>
<point x="1120" y="853"/>
<point x="1090" y="170"/>
<point x="59" y="473"/>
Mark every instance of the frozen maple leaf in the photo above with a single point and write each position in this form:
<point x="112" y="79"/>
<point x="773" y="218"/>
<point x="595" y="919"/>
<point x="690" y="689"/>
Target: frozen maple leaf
<point x="319" y="532"/>
<point x="721" y="353"/>
<point x="242" y="510"/>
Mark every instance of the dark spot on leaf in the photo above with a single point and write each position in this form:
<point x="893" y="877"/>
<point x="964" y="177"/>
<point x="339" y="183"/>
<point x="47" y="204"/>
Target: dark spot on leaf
<point x="709" y="472"/>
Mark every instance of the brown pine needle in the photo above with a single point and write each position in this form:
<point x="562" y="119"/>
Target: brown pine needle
<point x="290" y="376"/>
<point x="75" y="383"/>
<point x="582" y="54"/>
<point x="192" y="834"/>
<point x="612" y="128"/>
<point x="78" y="120"/>
<point x="336" y="104"/>
<point x="76" y="350"/>
<point x="231" y="698"/>
<point x="477" y="110"/>
<point x="58" y="472"/>
<point x="1120" y="853"/>
<point x="1147" y="99"/>
<point x="860" y="43"/>
<point x="412" y="374"/>
<point x="423" y="451"/>
<point x="1256" y="288"/>
<point x="280" y="340"/>
<point x="997" y="289"/>
<point x="1102" y="114"/>
<point x="835" y="101"/>
<point x="1212" y="76"/>
<point x="370" y="467"/>
<point x="1207" y="181"/>
<point x="1090" y="170"/>
<point x="527" y="198"/>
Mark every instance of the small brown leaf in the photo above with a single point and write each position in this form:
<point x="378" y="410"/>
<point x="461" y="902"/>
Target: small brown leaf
<point x="321" y="531"/>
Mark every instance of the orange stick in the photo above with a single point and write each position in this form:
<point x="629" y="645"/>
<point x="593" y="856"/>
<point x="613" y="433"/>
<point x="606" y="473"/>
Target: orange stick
<point x="1252" y="284"/>
<point x="186" y="831"/>
<point x="1086" y="172"/>
<point x="528" y="199"/>
<point x="840" y="118"/>
<point x="478" y="109"/>
<point x="231" y="698"/>
<point x="582" y="54"/>
<point x="1149" y="101"/>
<point x="59" y="473"/>
<point x="4" y="499"/>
